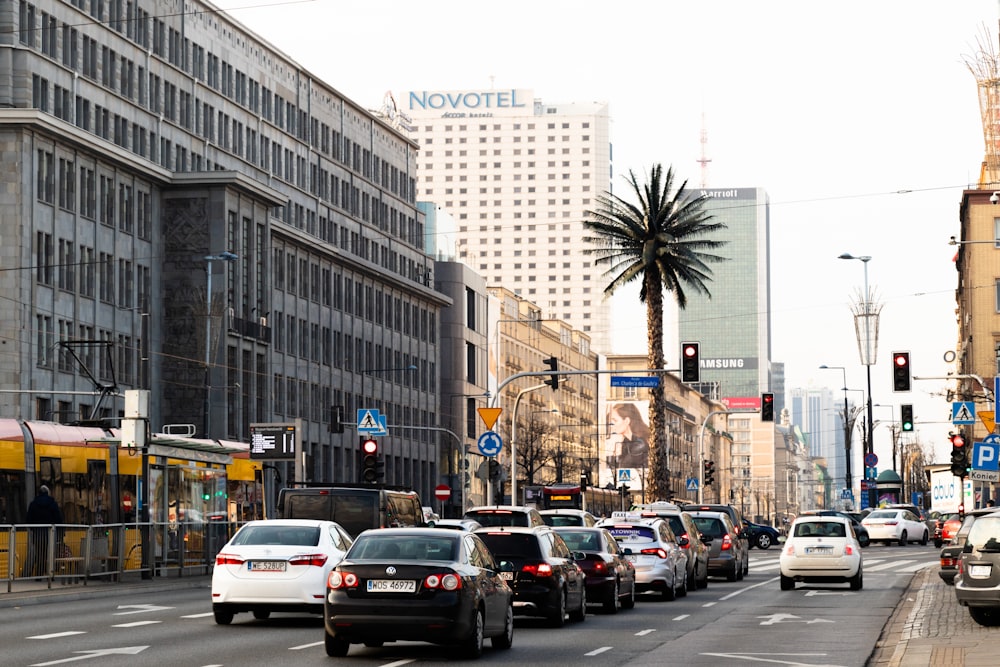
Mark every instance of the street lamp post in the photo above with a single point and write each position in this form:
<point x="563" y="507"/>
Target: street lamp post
<point x="848" y="479"/>
<point x="223" y="257"/>
<point x="866" y="313"/>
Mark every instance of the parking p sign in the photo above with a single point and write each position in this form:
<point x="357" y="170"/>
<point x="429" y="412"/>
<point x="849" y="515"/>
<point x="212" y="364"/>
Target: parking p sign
<point x="986" y="454"/>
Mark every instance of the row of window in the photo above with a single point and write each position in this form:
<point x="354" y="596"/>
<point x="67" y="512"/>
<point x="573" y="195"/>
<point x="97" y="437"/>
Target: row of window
<point x="110" y="358"/>
<point x="121" y="75"/>
<point x="82" y="270"/>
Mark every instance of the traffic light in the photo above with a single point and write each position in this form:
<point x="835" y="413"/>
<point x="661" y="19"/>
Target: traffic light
<point x="690" y="364"/>
<point x="553" y="365"/>
<point x="959" y="456"/>
<point x="906" y="417"/>
<point x="767" y="407"/>
<point x="709" y="475"/>
<point x="369" y="459"/>
<point x="901" y="371"/>
<point x="494" y="470"/>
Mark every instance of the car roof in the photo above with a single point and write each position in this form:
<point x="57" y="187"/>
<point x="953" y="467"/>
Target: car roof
<point x="501" y="508"/>
<point x="564" y="510"/>
<point x="813" y="518"/>
<point x="512" y="529"/>
<point x="288" y="522"/>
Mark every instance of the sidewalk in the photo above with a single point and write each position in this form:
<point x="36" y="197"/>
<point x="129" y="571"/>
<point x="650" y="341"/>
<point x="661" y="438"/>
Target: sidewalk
<point x="930" y="629"/>
<point x="37" y="592"/>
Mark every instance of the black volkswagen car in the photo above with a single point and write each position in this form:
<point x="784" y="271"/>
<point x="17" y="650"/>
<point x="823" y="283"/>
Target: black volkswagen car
<point x="418" y="584"/>
<point x="542" y="571"/>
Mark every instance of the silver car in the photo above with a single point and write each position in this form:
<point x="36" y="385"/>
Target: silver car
<point x="728" y="552"/>
<point x="649" y="544"/>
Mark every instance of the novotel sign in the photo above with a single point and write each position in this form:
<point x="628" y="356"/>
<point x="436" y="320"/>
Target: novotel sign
<point x="469" y="100"/>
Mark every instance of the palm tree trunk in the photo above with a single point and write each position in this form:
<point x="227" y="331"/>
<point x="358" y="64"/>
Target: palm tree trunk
<point x="658" y="477"/>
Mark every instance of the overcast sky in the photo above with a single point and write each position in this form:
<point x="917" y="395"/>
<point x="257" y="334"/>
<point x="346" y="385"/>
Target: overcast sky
<point x="860" y="119"/>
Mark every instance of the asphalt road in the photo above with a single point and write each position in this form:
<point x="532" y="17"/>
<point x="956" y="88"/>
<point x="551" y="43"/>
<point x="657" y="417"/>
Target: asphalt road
<point x="728" y="623"/>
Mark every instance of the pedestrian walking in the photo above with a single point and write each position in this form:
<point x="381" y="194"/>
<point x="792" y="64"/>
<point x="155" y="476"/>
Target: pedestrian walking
<point x="43" y="512"/>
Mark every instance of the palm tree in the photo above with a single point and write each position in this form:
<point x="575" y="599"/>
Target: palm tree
<point x="664" y="241"/>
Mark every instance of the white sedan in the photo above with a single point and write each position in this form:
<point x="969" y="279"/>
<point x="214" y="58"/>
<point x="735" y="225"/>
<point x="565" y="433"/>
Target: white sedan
<point x="895" y="525"/>
<point x="276" y="565"/>
<point x="821" y="549"/>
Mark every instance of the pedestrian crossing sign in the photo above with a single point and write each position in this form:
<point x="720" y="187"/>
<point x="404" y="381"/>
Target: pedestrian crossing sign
<point x="963" y="412"/>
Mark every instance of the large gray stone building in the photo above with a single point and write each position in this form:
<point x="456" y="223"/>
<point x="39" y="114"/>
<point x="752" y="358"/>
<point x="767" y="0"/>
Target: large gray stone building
<point x="147" y="142"/>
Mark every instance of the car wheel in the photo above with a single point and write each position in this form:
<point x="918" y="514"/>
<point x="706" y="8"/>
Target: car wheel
<point x="670" y="592"/>
<point x="857" y="581"/>
<point x="558" y="617"/>
<point x="704" y="579"/>
<point x="682" y="591"/>
<point x="923" y="540"/>
<point x="692" y="582"/>
<point x="612" y="604"/>
<point x="734" y="574"/>
<point x="864" y="542"/>
<point x="336" y="647"/>
<point x="223" y="616"/>
<point x="506" y="640"/>
<point x="764" y="541"/>
<point x="580" y="614"/>
<point x="986" y="616"/>
<point x="472" y="647"/>
<point x="629" y="601"/>
<point x="261" y="614"/>
<point x="787" y="583"/>
<point x="937" y="543"/>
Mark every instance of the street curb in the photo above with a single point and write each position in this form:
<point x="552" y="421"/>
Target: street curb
<point x="891" y="646"/>
<point x="101" y="590"/>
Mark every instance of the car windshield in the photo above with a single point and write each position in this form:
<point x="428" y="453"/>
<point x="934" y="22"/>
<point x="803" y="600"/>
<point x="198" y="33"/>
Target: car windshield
<point x="510" y="546"/>
<point x="820" y="529"/>
<point x="306" y="536"/>
<point x="709" y="526"/>
<point x="385" y="547"/>
<point x="582" y="540"/>
<point x="639" y="534"/>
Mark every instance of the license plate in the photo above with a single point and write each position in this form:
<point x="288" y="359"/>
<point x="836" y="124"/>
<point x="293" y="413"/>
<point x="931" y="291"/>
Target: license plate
<point x="979" y="571"/>
<point x="507" y="576"/>
<point x="267" y="565"/>
<point x="819" y="550"/>
<point x="391" y="586"/>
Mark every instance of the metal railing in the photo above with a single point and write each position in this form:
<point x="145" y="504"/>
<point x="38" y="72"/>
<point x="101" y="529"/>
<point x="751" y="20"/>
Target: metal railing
<point x="68" y="553"/>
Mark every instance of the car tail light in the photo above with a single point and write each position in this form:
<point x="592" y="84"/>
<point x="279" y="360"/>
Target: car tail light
<point x="340" y="580"/>
<point x="538" y="569"/>
<point x="892" y="523"/>
<point x="446" y="582"/>
<point x="659" y="553"/>
<point x="228" y="559"/>
<point x="600" y="567"/>
<point x="319" y="560"/>
<point x="949" y="562"/>
<point x="848" y="550"/>
<point x="727" y="542"/>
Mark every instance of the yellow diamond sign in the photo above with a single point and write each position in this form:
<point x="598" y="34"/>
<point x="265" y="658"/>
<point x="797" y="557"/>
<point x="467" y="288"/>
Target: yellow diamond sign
<point x="987" y="417"/>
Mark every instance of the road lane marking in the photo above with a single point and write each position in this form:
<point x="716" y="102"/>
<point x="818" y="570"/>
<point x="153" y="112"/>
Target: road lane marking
<point x="744" y="590"/>
<point x="708" y="604"/>
<point x="643" y="633"/>
<point x="759" y="657"/>
<point x="299" y="648"/>
<point x="681" y="617"/>
<point x="206" y="614"/>
<point x="136" y="624"/>
<point x="56" y="635"/>
<point x="888" y="566"/>
<point x="598" y="651"/>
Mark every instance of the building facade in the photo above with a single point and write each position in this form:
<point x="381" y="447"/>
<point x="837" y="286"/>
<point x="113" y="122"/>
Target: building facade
<point x="518" y="176"/>
<point x="195" y="214"/>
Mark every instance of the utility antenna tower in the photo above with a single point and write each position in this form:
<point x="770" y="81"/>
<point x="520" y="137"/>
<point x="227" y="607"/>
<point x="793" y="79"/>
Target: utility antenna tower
<point x="985" y="66"/>
<point x="704" y="159"/>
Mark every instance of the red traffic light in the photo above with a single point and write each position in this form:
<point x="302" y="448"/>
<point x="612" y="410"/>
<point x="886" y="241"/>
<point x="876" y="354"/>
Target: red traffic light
<point x="369" y="446"/>
<point x="957" y="441"/>
<point x="690" y="350"/>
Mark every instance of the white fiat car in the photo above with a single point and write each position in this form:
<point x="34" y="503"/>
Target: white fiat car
<point x="821" y="549"/>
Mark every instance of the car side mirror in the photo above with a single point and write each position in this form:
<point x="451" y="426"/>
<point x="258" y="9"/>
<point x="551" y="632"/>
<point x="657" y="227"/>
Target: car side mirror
<point x="506" y="566"/>
<point x="706" y="539"/>
<point x="578" y="555"/>
<point x="683" y="542"/>
<point x="627" y="551"/>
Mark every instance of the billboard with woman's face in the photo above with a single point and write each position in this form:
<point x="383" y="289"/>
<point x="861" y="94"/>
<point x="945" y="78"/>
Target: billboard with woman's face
<point x="625" y="453"/>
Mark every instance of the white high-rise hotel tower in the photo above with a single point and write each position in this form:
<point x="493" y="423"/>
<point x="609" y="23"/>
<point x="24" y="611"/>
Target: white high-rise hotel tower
<point x="518" y="177"/>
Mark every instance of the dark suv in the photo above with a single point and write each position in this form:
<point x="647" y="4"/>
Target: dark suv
<point x="541" y="570"/>
<point x="977" y="585"/>
<point x="734" y="514"/>
<point x="951" y="553"/>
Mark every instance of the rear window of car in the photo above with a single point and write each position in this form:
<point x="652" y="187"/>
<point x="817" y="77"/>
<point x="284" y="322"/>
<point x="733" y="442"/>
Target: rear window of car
<point x="306" y="536"/>
<point x="985" y="534"/>
<point x="884" y="514"/>
<point x="489" y="518"/>
<point x="562" y="520"/>
<point x="710" y="526"/>
<point x="581" y="540"/>
<point x="512" y="545"/>
<point x="379" y="546"/>
<point x="641" y="534"/>
<point x="820" y="529"/>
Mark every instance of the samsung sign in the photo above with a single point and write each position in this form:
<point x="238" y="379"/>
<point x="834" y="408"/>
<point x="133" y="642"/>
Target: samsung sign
<point x="729" y="363"/>
<point x="468" y="101"/>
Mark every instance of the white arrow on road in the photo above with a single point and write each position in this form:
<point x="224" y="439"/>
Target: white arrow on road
<point x="138" y="609"/>
<point x="789" y="618"/>
<point x="99" y="653"/>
